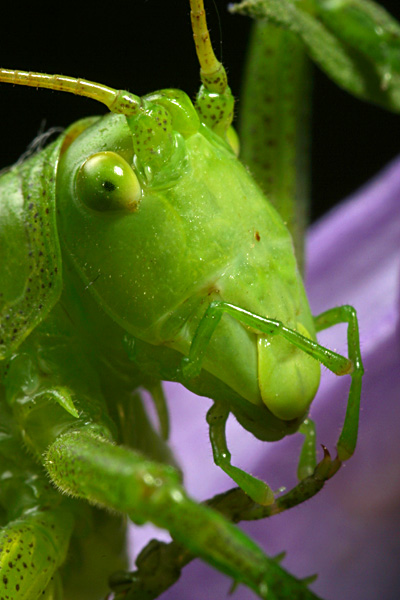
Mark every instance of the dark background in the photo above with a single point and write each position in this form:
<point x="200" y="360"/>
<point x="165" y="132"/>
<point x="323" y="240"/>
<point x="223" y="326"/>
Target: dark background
<point x="146" y="45"/>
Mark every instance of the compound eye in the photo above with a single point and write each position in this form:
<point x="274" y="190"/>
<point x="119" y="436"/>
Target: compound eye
<point x="106" y="182"/>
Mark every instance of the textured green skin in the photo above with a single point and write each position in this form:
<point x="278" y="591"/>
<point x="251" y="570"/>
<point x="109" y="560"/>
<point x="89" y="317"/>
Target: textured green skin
<point x="68" y="384"/>
<point x="30" y="253"/>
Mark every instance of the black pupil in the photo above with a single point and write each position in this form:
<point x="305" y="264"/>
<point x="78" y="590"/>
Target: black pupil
<point x="108" y="186"/>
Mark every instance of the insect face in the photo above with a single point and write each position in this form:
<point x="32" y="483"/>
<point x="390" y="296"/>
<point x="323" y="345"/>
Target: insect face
<point x="185" y="226"/>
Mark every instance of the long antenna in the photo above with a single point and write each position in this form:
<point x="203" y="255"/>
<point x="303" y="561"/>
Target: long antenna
<point x="212" y="72"/>
<point x="117" y="101"/>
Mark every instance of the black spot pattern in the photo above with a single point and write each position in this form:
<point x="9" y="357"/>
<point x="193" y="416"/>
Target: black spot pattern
<point x="36" y="184"/>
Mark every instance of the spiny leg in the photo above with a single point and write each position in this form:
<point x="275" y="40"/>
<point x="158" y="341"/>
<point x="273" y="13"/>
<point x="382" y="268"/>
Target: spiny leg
<point x="336" y="363"/>
<point x="346" y="314"/>
<point x="340" y="365"/>
<point x="258" y="490"/>
<point x="88" y="466"/>
<point x="348" y="436"/>
<point x="312" y="478"/>
<point x="159" y="564"/>
<point x="191" y="365"/>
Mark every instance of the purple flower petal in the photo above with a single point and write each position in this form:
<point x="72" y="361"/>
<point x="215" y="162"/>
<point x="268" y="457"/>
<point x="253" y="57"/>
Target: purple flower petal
<point x="350" y="532"/>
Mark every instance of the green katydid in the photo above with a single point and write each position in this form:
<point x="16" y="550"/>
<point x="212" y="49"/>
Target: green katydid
<point x="137" y="248"/>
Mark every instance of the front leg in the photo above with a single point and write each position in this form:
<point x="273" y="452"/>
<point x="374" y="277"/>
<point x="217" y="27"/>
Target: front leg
<point x="347" y="314"/>
<point x="313" y="474"/>
<point x="259" y="491"/>
<point x="89" y="466"/>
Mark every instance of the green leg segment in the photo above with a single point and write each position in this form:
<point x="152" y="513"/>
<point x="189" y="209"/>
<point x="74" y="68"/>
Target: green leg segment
<point x="308" y="454"/>
<point x="259" y="491"/>
<point x="159" y="566"/>
<point x="346" y="314"/>
<point x="91" y="467"/>
<point x="312" y="477"/>
<point x="340" y="365"/>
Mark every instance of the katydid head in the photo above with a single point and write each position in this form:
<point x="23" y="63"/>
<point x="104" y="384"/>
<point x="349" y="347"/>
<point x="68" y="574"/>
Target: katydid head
<point x="160" y="218"/>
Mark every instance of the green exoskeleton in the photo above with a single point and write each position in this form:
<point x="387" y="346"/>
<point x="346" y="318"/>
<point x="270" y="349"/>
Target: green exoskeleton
<point x="138" y="248"/>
